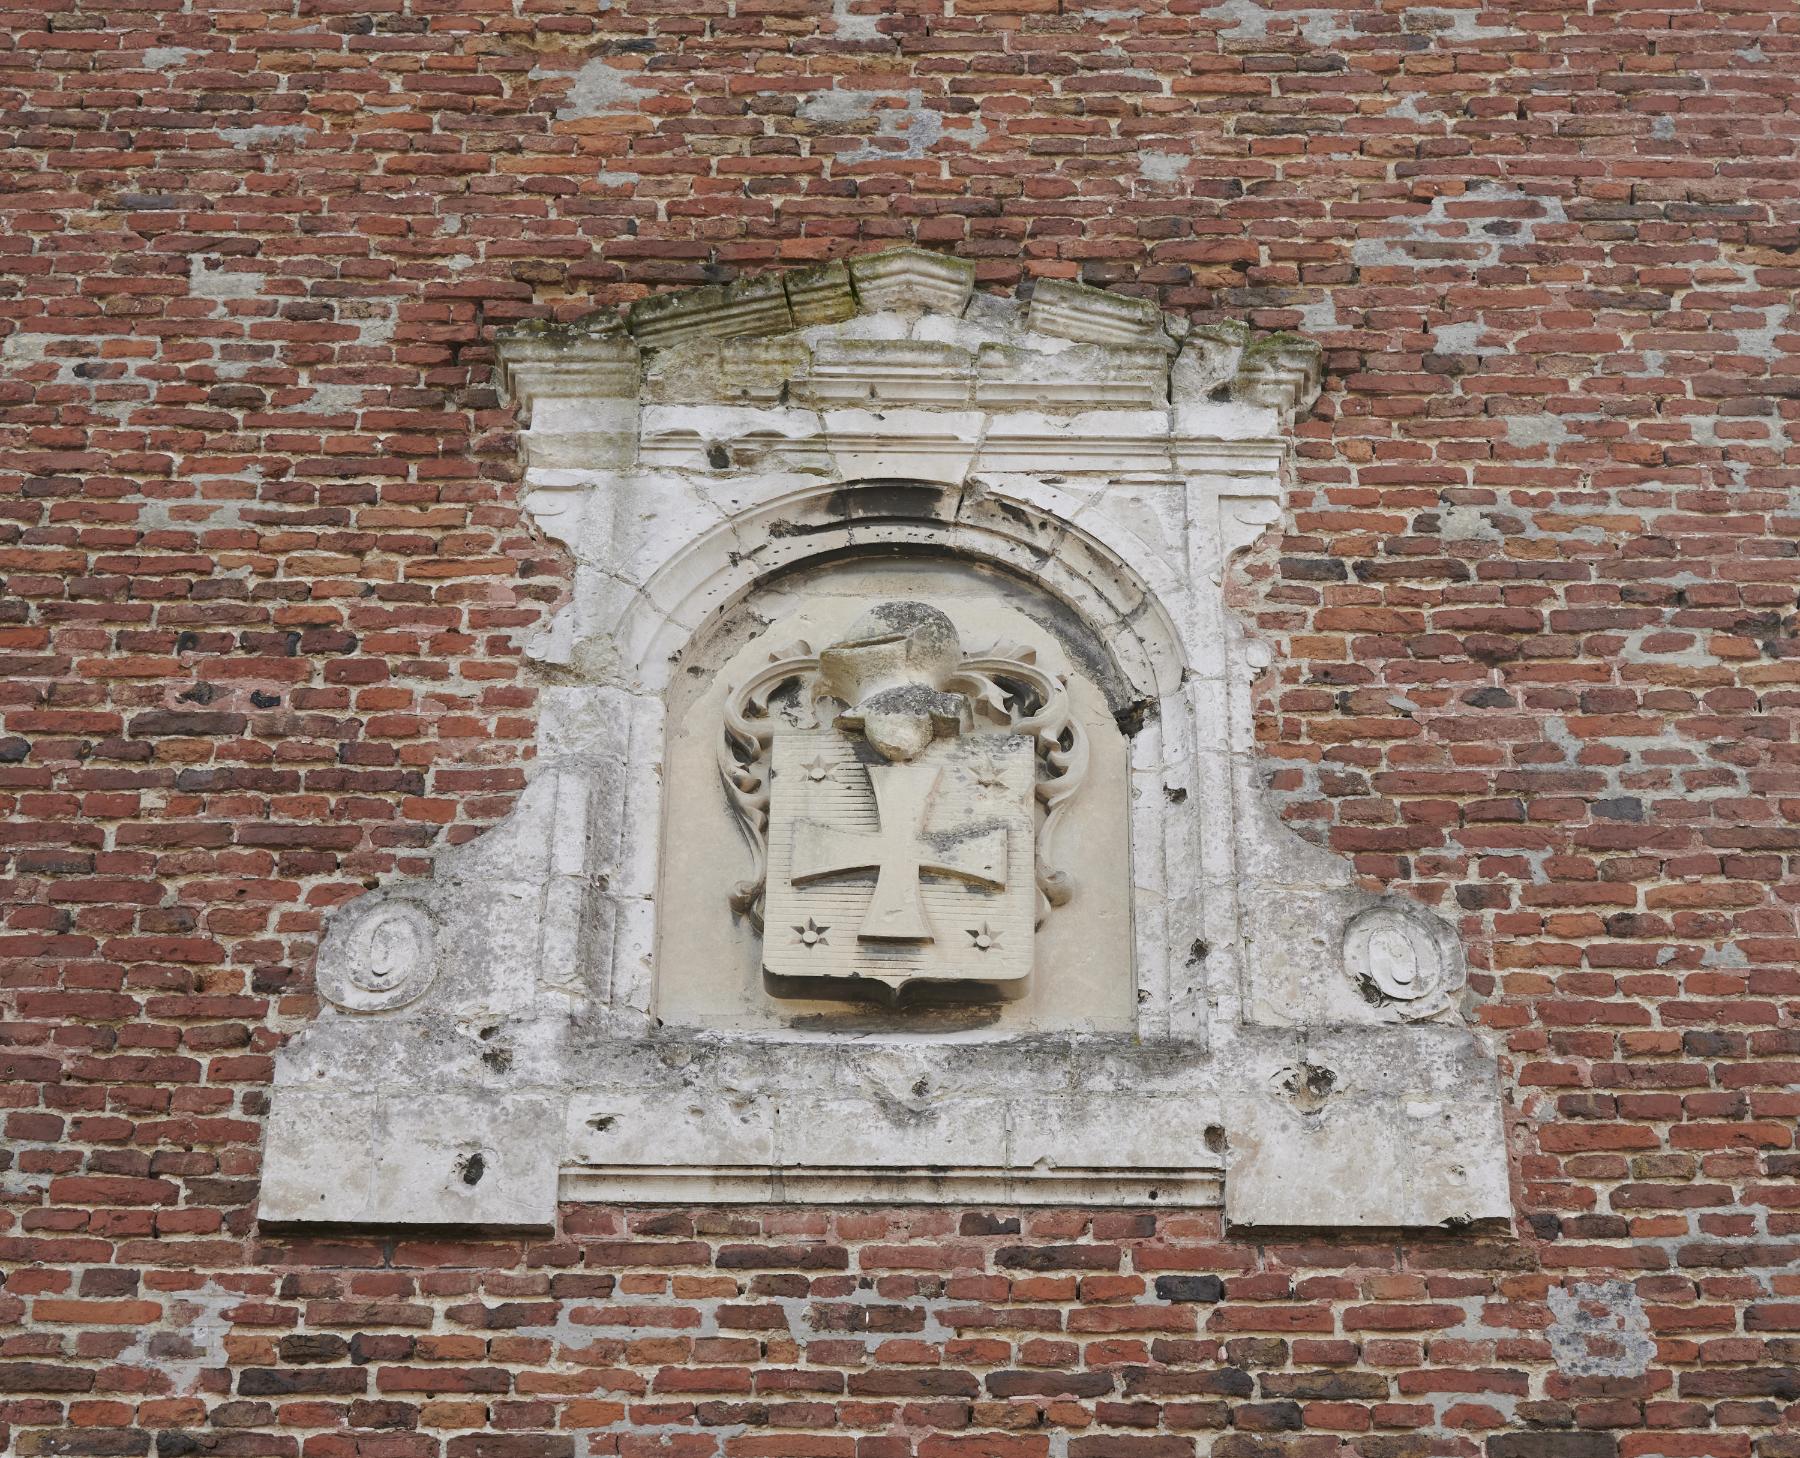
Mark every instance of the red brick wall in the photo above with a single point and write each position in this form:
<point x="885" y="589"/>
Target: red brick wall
<point x="266" y="579"/>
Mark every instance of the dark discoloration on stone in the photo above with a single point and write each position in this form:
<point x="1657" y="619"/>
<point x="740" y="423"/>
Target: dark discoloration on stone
<point x="908" y="500"/>
<point x="1309" y="1086"/>
<point x="1132" y="717"/>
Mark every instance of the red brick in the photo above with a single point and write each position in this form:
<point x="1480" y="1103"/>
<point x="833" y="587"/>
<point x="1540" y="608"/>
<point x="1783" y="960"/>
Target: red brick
<point x="1533" y="607"/>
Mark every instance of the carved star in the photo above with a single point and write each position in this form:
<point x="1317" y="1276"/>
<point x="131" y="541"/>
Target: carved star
<point x="985" y="937"/>
<point x="812" y="934"/>
<point x="990" y="778"/>
<point x="819" y="769"/>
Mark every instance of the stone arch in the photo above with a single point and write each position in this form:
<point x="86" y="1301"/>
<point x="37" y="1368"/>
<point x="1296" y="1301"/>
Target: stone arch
<point x="1094" y="565"/>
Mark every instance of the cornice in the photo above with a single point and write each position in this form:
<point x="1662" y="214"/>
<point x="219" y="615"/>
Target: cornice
<point x="905" y="326"/>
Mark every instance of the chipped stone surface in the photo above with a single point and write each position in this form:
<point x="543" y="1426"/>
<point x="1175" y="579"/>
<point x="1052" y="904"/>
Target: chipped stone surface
<point x="512" y="1026"/>
<point x="219" y="278"/>
<point x="1330" y="1127"/>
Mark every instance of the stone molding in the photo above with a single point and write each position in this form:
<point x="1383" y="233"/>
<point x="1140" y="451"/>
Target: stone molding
<point x="1299" y="1050"/>
<point x="1127" y="354"/>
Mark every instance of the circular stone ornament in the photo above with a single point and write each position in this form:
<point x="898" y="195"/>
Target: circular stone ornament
<point x="383" y="959"/>
<point x="1400" y="957"/>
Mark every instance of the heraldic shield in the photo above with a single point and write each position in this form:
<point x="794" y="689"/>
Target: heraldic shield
<point x="901" y="872"/>
<point x="904" y="838"/>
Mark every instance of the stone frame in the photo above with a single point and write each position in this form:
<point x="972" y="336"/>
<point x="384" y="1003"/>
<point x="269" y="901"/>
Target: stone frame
<point x="711" y="440"/>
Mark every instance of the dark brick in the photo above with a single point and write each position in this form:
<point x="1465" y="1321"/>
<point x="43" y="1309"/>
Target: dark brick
<point x="1190" y="1288"/>
<point x="1553" y="1445"/>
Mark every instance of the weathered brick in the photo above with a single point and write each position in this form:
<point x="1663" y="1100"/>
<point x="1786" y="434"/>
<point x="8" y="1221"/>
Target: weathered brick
<point x="264" y="578"/>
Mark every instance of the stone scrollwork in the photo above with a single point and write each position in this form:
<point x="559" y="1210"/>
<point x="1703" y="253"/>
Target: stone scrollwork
<point x="381" y="960"/>
<point x="1402" y="961"/>
<point x="1008" y="688"/>
<point x="788" y="688"/>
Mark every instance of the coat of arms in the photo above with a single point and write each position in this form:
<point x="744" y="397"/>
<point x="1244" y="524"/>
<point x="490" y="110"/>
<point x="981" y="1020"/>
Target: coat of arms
<point x="900" y="799"/>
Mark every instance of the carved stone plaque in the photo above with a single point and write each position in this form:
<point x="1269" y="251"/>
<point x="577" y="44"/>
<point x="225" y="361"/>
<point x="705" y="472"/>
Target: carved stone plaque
<point x="901" y="837"/>
<point x="758" y="679"/>
<point x="900" y="872"/>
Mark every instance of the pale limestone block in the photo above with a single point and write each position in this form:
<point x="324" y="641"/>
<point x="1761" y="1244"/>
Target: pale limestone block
<point x="561" y="417"/>
<point x="912" y="279"/>
<point x="560" y="507"/>
<point x="1050" y="505"/>
<point x="591" y="361"/>
<point x="1281" y="372"/>
<point x="1209" y="357"/>
<point x="902" y="371"/>
<point x="821" y="295"/>
<point x="1102" y="1131"/>
<point x="318" y="1160"/>
<point x="1373" y="1128"/>
<point x="1095" y="316"/>
<point x="867" y="323"/>
<point x="1074" y="378"/>
<point x="492" y="970"/>
<point x="995" y="510"/>
<point x="390" y="1159"/>
<point x="636" y="868"/>
<point x="1198" y="427"/>
<point x="589" y="721"/>
<point x="482" y="1159"/>
<point x="909" y="444"/>
<point x="554" y="645"/>
<point x="976" y="329"/>
<point x="693" y="428"/>
<point x="707" y="1127"/>
<point x="751" y="500"/>
<point x="751" y="306"/>
<point x="562" y="945"/>
<point x="640" y="525"/>
<point x="842" y="1133"/>
<point x="1150" y="517"/>
<point x="574" y="448"/>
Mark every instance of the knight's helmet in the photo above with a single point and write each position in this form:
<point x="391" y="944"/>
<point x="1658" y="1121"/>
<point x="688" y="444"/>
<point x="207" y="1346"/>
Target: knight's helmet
<point x="891" y="669"/>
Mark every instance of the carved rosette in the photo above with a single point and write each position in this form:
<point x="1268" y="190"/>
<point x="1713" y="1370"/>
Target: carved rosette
<point x="383" y="958"/>
<point x="1405" y="963"/>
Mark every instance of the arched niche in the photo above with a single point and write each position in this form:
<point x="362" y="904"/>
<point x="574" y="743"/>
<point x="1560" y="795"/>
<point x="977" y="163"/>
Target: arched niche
<point x="1110" y="603"/>
<point x="709" y="972"/>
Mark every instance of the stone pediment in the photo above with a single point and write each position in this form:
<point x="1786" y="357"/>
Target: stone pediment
<point x="906" y="327"/>
<point x="896" y="830"/>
